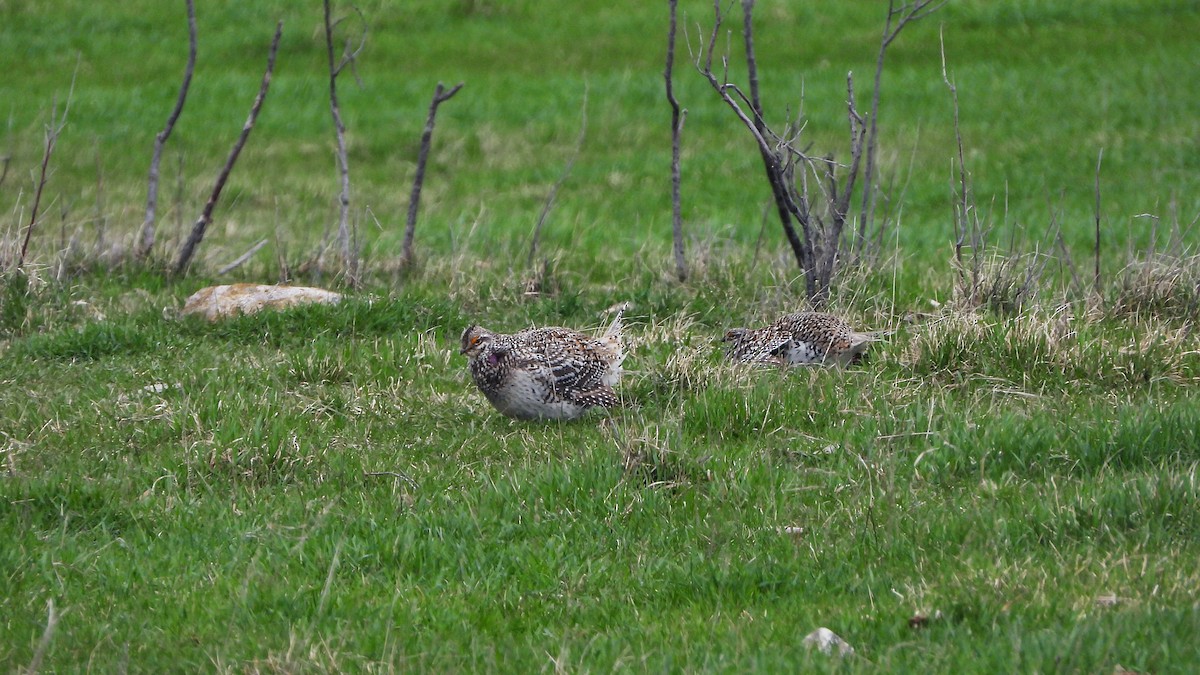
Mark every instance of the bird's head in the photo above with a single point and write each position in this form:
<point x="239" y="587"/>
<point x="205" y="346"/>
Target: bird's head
<point x="734" y="335"/>
<point x="475" y="339"/>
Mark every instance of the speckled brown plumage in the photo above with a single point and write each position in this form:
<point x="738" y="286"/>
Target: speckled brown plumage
<point x="803" y="338"/>
<point x="545" y="373"/>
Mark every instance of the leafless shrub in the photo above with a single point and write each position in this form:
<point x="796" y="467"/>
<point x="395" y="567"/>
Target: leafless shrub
<point x="810" y="190"/>
<point x="1005" y="281"/>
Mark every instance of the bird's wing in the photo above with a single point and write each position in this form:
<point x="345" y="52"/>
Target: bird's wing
<point x="766" y="347"/>
<point x="565" y="360"/>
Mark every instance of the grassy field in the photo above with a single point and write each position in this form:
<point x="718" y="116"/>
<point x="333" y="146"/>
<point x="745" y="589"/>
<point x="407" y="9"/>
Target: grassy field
<point x="324" y="489"/>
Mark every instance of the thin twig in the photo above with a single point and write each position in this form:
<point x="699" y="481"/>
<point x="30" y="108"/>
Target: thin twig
<point x="677" y="118"/>
<point x="963" y="202"/>
<point x="803" y="251"/>
<point x="197" y="234"/>
<point x="47" y="636"/>
<point x="51" y="139"/>
<point x="1096" y="279"/>
<point x="440" y="95"/>
<point x="349" y="261"/>
<point x="99" y="220"/>
<point x="906" y="14"/>
<point x="393" y="474"/>
<point x="57" y="124"/>
<point x="241" y="258"/>
<point x="333" y="565"/>
<point x="537" y="229"/>
<point x="146" y="242"/>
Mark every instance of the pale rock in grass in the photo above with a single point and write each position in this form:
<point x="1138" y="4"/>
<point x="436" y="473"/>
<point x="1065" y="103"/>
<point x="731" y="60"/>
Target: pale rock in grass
<point x="88" y="309"/>
<point x="220" y="302"/>
<point x="827" y="641"/>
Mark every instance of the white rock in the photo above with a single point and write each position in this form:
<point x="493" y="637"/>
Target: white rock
<point x="218" y="302"/>
<point x="827" y="641"/>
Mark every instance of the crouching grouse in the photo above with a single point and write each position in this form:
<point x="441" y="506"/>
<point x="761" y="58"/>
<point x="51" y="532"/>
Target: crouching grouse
<point x="545" y="373"/>
<point x="804" y="338"/>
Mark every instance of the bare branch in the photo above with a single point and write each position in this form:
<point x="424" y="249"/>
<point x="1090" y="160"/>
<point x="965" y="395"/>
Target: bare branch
<point x="146" y="242"/>
<point x="857" y="131"/>
<point x="241" y="258"/>
<point x="7" y="158"/>
<point x="350" y="56"/>
<point x="786" y="206"/>
<point x="537" y="229"/>
<point x="677" y="118"/>
<point x="393" y="474"/>
<point x="440" y="95"/>
<point x="53" y="129"/>
<point x="752" y="63"/>
<point x="197" y="234"/>
<point x="47" y="637"/>
<point x="903" y="15"/>
<point x="349" y="260"/>
<point x="1096" y="279"/>
<point x="963" y="202"/>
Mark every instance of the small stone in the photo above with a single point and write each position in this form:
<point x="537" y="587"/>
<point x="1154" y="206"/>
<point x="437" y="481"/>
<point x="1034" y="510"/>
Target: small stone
<point x="827" y="641"/>
<point x="219" y="302"/>
<point x="923" y="619"/>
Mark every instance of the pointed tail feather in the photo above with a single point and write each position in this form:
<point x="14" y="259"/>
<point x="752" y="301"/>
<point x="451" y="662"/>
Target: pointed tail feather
<point x="614" y="328"/>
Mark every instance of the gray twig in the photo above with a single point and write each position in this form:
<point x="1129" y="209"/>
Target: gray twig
<point x="1096" y="279"/>
<point x="53" y="129"/>
<point x="787" y="206"/>
<point x="146" y="241"/>
<point x="902" y="16"/>
<point x="349" y="259"/>
<point x="394" y="474"/>
<point x="197" y="234"/>
<point x="241" y="258"/>
<point x="47" y="636"/>
<point x="440" y="96"/>
<point x="677" y="118"/>
<point x="963" y="203"/>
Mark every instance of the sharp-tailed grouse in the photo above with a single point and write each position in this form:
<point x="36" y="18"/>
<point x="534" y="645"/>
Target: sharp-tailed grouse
<point x="545" y="373"/>
<point x="804" y="338"/>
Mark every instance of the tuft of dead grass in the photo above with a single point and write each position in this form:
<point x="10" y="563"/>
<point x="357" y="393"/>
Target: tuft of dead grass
<point x="1163" y="286"/>
<point x="1066" y="344"/>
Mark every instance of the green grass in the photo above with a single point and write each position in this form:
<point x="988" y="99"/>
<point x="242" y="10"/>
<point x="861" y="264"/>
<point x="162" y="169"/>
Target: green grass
<point x="324" y="489"/>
